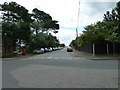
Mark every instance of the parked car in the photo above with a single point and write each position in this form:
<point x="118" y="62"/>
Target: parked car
<point x="38" y="51"/>
<point x="59" y="48"/>
<point x="17" y="52"/>
<point x="55" y="48"/>
<point x="46" y="49"/>
<point x="49" y="49"/>
<point x="20" y="53"/>
<point x="42" y="50"/>
<point x="69" y="49"/>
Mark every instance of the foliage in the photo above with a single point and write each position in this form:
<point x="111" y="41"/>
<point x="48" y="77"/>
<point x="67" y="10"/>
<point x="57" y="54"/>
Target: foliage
<point x="43" y="40"/>
<point x="43" y="22"/>
<point x="15" y="26"/>
<point x="18" y="27"/>
<point x="104" y="31"/>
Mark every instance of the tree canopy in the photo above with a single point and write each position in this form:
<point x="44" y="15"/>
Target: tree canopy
<point x="101" y="32"/>
<point x="43" y="21"/>
<point x="19" y="27"/>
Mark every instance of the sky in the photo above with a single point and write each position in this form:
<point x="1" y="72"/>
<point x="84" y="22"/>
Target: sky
<point x="66" y="13"/>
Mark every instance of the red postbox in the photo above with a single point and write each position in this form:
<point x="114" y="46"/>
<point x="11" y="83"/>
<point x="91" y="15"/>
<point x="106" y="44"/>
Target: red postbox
<point x="23" y="51"/>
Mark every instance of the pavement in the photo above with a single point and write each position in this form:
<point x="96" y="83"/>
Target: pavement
<point x="75" y="53"/>
<point x="17" y="57"/>
<point x="90" y="56"/>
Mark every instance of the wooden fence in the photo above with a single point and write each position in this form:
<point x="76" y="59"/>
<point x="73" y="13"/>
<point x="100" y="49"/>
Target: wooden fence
<point x="101" y="48"/>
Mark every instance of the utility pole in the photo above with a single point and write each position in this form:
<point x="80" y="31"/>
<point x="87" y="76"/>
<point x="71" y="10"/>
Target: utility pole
<point x="76" y="32"/>
<point x="77" y="25"/>
<point x="78" y="19"/>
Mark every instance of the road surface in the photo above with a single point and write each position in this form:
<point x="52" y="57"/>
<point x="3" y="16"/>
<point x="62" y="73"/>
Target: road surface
<point x="59" y="69"/>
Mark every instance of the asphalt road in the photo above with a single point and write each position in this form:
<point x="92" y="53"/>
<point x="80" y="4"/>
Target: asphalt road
<point x="59" y="69"/>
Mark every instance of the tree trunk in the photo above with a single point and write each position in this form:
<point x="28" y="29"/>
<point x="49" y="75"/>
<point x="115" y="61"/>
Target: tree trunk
<point x="114" y="49"/>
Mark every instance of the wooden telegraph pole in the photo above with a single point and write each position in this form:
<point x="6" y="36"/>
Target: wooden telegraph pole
<point x="77" y="25"/>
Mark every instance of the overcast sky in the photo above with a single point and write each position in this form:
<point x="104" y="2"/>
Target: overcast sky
<point x="66" y="12"/>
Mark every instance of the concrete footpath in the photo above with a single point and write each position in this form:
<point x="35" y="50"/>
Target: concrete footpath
<point x="16" y="57"/>
<point x="90" y="56"/>
<point x="75" y="53"/>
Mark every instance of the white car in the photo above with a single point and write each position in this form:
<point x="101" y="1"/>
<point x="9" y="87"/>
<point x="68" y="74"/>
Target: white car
<point x="38" y="51"/>
<point x="54" y="49"/>
<point x="17" y="52"/>
<point x="42" y="50"/>
<point x="46" y="49"/>
<point x="49" y="49"/>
